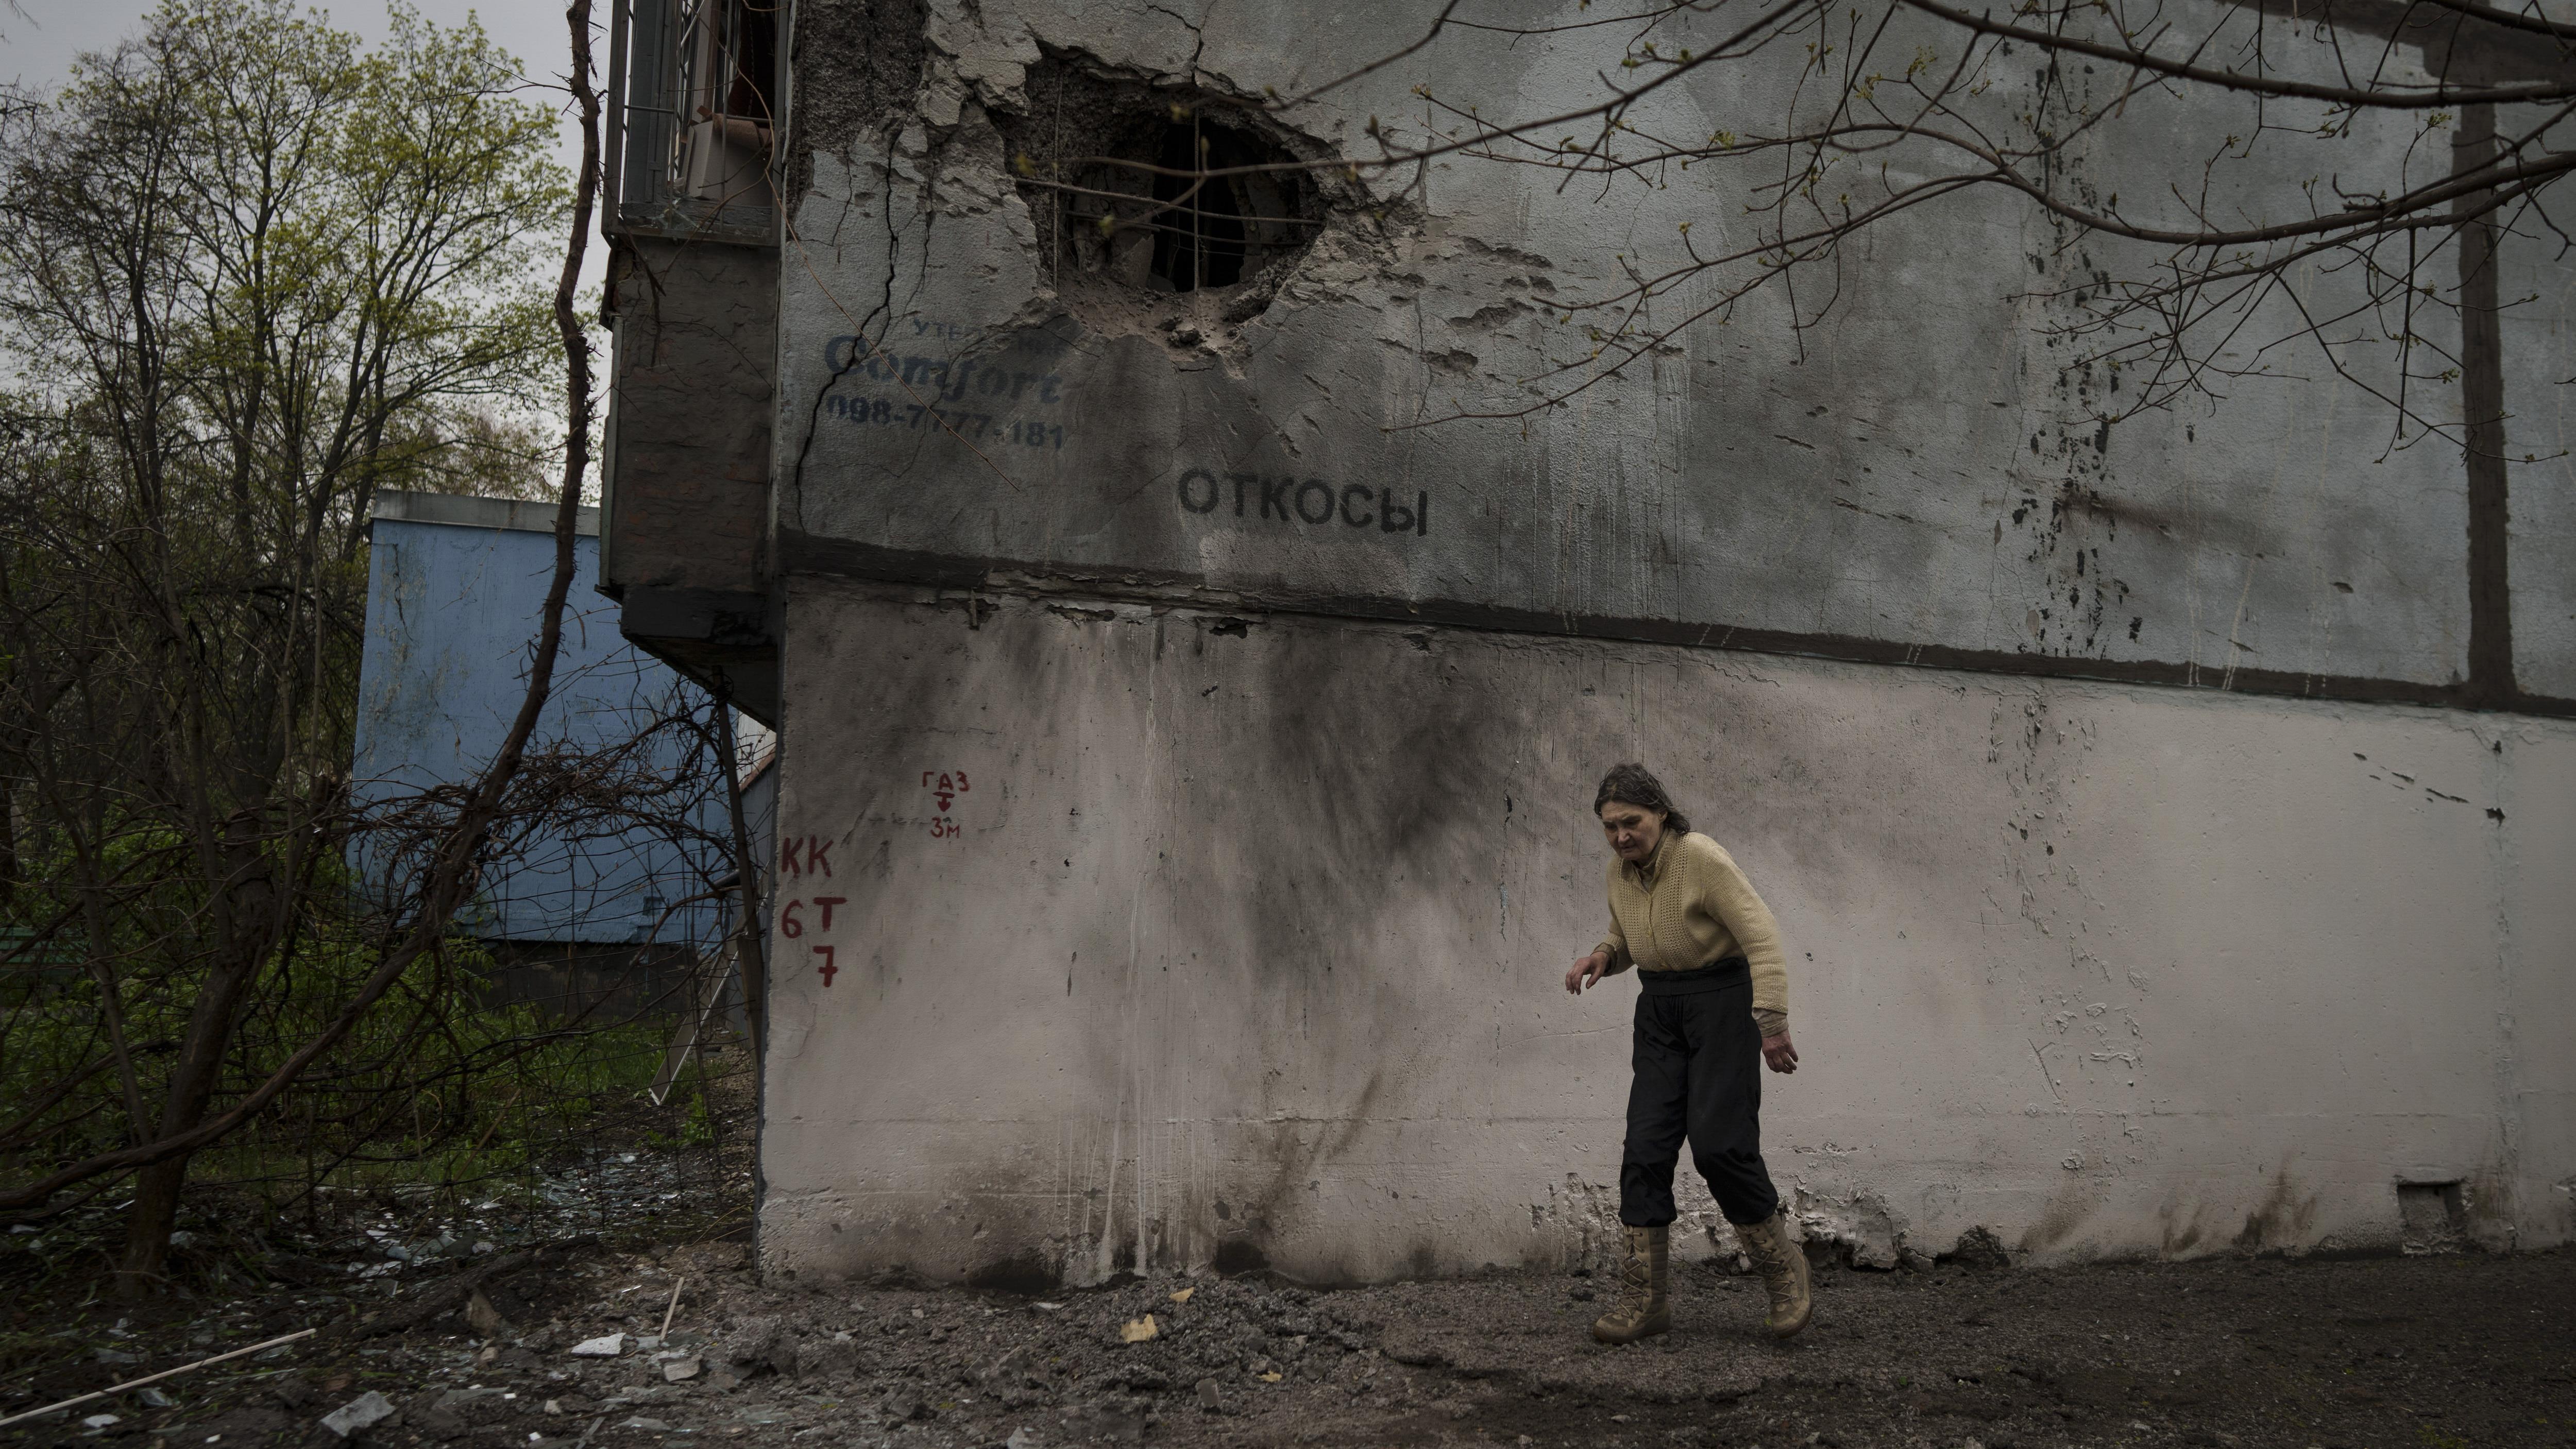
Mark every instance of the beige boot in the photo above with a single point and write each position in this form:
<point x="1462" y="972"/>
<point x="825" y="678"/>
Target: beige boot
<point x="1784" y="1271"/>
<point x="1641" y="1311"/>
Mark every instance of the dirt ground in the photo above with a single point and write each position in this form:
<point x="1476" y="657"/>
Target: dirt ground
<point x="465" y="1318"/>
<point x="2433" y="1351"/>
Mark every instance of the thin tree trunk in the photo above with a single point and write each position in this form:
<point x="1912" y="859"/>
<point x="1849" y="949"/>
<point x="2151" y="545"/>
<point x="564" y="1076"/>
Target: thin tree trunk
<point x="148" y="1225"/>
<point x="192" y="1087"/>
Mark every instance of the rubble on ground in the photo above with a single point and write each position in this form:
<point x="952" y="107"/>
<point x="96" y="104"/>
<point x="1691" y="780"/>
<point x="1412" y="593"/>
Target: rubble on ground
<point x="1927" y="1358"/>
<point x="641" y="1257"/>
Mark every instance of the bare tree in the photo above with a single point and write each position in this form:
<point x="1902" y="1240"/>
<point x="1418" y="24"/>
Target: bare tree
<point x="2193" y="160"/>
<point x="250" y="275"/>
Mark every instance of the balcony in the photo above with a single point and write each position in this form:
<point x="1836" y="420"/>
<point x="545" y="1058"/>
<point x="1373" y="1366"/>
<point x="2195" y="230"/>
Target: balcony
<point x="692" y="150"/>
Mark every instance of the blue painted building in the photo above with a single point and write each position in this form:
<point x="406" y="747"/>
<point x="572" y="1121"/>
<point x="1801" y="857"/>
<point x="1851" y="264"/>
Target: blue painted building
<point x="455" y="586"/>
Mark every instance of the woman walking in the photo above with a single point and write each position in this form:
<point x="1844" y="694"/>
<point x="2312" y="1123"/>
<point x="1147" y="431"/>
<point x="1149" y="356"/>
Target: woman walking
<point x="1713" y="1000"/>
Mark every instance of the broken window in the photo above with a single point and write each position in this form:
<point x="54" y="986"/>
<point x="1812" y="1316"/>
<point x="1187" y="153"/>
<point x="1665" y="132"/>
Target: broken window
<point x="1142" y="189"/>
<point x="694" y="134"/>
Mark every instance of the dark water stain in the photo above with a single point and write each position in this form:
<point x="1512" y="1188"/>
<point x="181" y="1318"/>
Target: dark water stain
<point x="2282" y="1219"/>
<point x="2066" y="1212"/>
<point x="1240" y="1255"/>
<point x="2180" y="1234"/>
<point x="1025" y="1272"/>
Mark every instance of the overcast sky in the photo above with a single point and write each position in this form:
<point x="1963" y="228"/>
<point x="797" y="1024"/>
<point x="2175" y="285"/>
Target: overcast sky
<point x="42" y="39"/>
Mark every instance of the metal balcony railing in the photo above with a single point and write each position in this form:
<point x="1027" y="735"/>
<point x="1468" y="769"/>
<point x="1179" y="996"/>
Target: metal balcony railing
<point x="693" y="124"/>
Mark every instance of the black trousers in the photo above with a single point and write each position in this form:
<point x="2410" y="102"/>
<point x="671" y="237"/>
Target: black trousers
<point x="1698" y="1075"/>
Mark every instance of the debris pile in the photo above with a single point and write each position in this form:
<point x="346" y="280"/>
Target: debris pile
<point x="685" y="1341"/>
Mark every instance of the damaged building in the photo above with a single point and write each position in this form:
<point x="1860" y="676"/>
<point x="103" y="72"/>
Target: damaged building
<point x="1193" y="655"/>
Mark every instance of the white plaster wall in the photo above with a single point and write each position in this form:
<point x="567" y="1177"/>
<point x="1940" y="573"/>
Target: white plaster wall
<point x="1244" y="946"/>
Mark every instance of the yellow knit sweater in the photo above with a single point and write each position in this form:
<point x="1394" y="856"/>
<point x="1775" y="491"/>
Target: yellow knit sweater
<point x="1688" y="906"/>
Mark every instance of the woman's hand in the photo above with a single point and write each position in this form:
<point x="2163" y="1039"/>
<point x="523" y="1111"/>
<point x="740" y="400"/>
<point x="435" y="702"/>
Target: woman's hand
<point x="1581" y="976"/>
<point x="1779" y="1053"/>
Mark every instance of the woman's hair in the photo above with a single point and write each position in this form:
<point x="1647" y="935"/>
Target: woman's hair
<point x="1636" y="785"/>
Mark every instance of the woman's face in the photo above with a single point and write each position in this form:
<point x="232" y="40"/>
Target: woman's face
<point x="1634" y="830"/>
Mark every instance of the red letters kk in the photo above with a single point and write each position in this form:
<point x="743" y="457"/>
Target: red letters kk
<point x="816" y="855"/>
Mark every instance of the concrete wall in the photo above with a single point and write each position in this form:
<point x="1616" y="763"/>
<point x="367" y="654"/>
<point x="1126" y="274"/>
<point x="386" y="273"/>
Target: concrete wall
<point x="1918" y="476"/>
<point x="1268" y="702"/>
<point x="690" y="413"/>
<point x="1240" y="941"/>
<point x="2540" y="442"/>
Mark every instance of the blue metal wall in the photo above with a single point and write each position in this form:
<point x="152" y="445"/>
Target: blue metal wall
<point x="452" y="612"/>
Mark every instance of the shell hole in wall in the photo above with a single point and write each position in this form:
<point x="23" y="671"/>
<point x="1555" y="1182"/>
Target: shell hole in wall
<point x="2432" y="1216"/>
<point x="1156" y="204"/>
